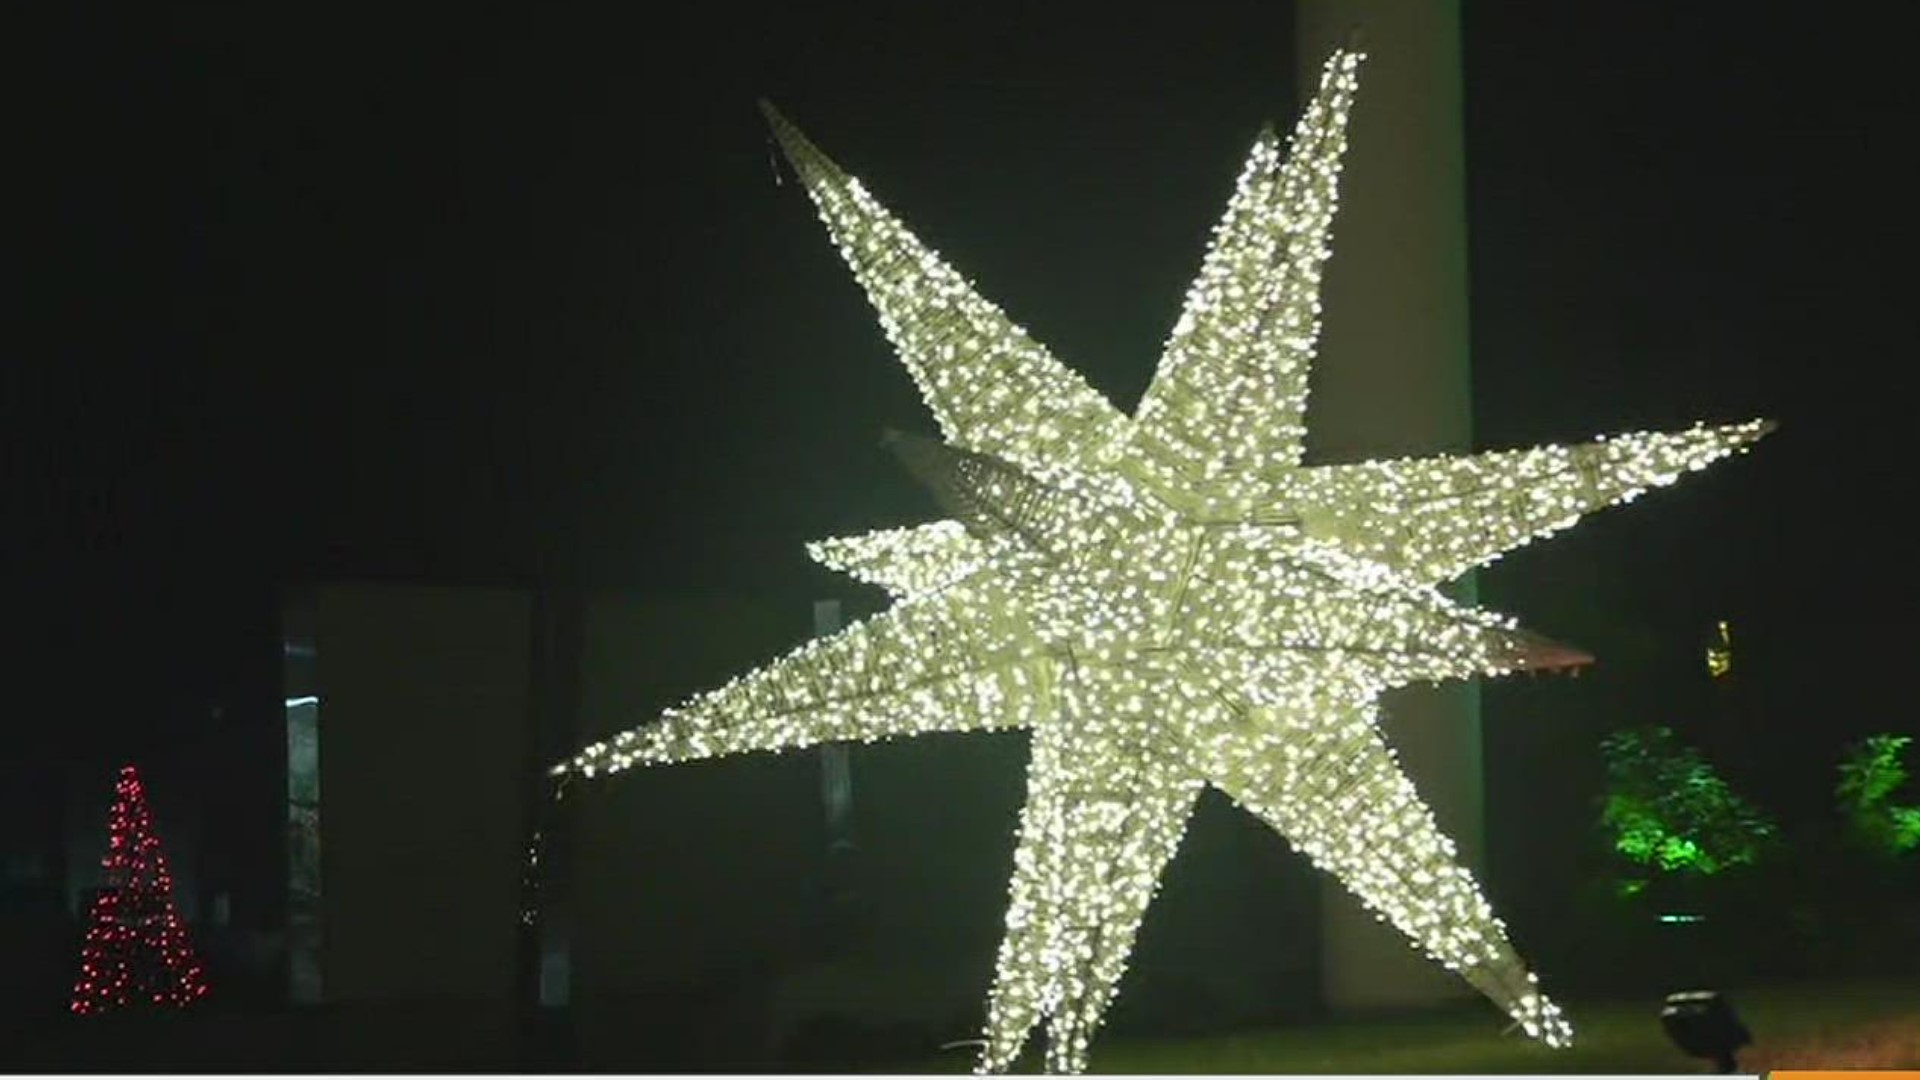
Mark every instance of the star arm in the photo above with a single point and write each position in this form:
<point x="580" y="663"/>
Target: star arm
<point x="990" y="385"/>
<point x="1230" y="393"/>
<point x="906" y="562"/>
<point x="1317" y="770"/>
<point x="1436" y="518"/>
<point x="1107" y="804"/>
<point x="1267" y="592"/>
<point x="953" y="661"/>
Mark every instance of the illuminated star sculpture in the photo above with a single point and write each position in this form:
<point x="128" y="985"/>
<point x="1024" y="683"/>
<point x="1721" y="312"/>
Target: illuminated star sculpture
<point x="1169" y="600"/>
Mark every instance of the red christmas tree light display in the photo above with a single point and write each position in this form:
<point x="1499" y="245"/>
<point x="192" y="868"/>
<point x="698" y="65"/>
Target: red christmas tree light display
<point x="136" y="952"/>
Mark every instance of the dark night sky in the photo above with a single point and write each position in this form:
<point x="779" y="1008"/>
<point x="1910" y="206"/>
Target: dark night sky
<point x="513" y="295"/>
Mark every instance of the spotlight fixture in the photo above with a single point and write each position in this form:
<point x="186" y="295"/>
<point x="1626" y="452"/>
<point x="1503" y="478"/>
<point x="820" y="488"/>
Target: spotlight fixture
<point x="1702" y="1024"/>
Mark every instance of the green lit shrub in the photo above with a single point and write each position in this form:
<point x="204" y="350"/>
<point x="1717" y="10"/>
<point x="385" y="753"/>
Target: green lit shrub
<point x="1870" y="773"/>
<point x="1667" y="810"/>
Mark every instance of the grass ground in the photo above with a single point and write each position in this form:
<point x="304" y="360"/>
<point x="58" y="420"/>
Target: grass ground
<point x="1831" y="1024"/>
<point x="1867" y="1024"/>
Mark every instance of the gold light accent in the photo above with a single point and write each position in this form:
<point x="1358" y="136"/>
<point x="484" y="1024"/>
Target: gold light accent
<point x="1720" y="652"/>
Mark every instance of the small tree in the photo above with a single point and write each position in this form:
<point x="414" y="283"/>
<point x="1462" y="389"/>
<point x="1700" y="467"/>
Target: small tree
<point x="1870" y="773"/>
<point x="136" y="951"/>
<point x="1667" y="810"/>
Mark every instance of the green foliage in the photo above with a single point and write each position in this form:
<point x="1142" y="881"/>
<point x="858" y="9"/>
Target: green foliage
<point x="1872" y="771"/>
<point x="1666" y="808"/>
<point x="1869" y="774"/>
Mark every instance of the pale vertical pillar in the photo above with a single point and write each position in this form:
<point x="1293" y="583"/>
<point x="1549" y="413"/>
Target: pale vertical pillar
<point x="836" y="768"/>
<point x="300" y="687"/>
<point x="1393" y="379"/>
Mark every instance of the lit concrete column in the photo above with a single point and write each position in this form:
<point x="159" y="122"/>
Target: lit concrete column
<point x="1392" y="379"/>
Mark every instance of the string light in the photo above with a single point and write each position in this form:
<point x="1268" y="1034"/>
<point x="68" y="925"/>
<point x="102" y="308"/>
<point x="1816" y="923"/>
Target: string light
<point x="136" y="951"/>
<point x="1168" y="600"/>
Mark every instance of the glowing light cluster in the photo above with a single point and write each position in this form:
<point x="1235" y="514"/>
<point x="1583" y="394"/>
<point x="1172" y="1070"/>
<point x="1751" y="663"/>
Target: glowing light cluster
<point x="1433" y="519"/>
<point x="136" y="951"/>
<point x="1168" y="600"/>
<point x="1229" y="398"/>
<point x="906" y="562"/>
